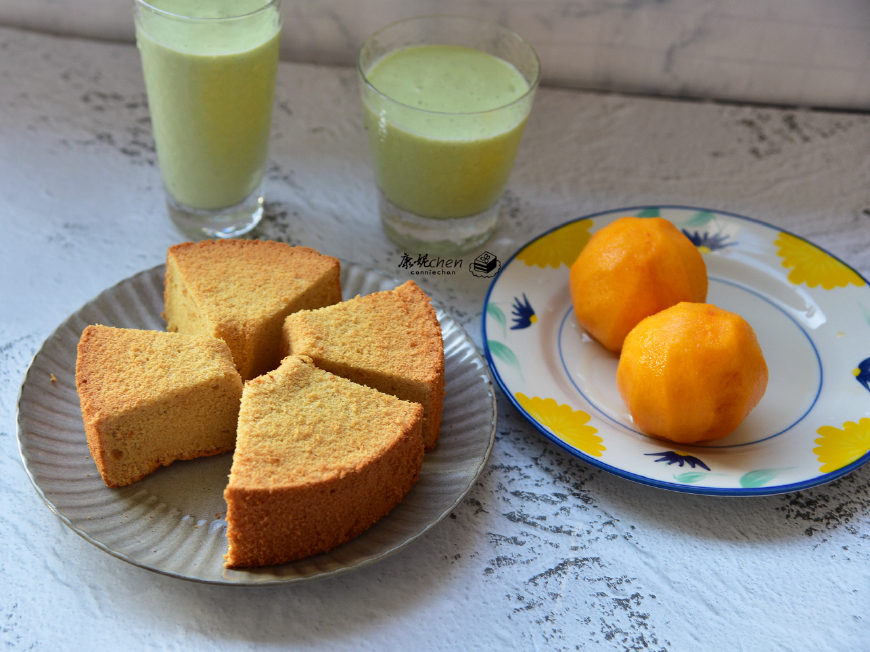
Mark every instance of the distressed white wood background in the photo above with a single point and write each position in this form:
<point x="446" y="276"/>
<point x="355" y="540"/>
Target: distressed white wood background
<point x="786" y="52"/>
<point x="546" y="553"/>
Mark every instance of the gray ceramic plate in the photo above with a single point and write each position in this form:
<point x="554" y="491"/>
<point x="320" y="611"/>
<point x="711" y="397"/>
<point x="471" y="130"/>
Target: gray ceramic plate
<point x="172" y="522"/>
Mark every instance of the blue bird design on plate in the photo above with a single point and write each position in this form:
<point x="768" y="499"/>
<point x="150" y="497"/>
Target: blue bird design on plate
<point x="679" y="458"/>
<point x="862" y="373"/>
<point x="524" y="314"/>
<point x="708" y="242"/>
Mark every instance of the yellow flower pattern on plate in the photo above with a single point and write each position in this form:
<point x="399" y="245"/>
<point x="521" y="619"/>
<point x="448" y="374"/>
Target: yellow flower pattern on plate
<point x="838" y="448"/>
<point x="813" y="266"/>
<point x="568" y="424"/>
<point x="561" y="247"/>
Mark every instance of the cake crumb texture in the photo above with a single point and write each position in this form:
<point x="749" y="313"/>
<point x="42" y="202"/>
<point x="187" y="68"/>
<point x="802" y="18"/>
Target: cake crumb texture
<point x="149" y="398"/>
<point x="319" y="459"/>
<point x="390" y="341"/>
<point x="241" y="291"/>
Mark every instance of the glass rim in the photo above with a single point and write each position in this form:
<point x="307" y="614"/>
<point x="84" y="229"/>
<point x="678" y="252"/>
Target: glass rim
<point x="533" y="84"/>
<point x="147" y="4"/>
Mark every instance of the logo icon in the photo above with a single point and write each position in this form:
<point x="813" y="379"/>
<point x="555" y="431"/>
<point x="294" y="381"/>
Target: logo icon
<point x="486" y="265"/>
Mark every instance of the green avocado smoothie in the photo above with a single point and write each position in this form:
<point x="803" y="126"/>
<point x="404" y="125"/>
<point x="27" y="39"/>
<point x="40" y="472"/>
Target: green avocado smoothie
<point x="444" y="123"/>
<point x="210" y="82"/>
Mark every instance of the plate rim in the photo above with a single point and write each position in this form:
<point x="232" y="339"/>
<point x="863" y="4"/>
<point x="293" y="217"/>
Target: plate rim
<point x="628" y="475"/>
<point x="484" y="370"/>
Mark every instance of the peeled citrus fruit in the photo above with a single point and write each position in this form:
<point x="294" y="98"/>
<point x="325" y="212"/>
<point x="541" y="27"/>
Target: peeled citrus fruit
<point x="691" y="372"/>
<point x="630" y="269"/>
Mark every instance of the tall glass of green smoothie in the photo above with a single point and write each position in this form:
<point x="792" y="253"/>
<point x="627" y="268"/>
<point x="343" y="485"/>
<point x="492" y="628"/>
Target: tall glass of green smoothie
<point x="445" y="102"/>
<point x="210" y="68"/>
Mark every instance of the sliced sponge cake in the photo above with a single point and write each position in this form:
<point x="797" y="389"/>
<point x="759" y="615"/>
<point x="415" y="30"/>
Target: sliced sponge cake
<point x="241" y="290"/>
<point x="150" y="398"/>
<point x="387" y="340"/>
<point x="319" y="459"/>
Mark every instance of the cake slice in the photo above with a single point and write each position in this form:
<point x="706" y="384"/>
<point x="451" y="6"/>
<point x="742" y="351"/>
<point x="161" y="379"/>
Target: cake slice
<point x="318" y="460"/>
<point x="149" y="398"/>
<point x="241" y="290"/>
<point x="387" y="340"/>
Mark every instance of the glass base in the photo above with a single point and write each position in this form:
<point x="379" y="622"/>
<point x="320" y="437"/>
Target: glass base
<point x="436" y="235"/>
<point x="230" y="222"/>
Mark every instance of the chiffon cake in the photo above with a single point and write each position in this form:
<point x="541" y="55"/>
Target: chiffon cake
<point x="318" y="460"/>
<point x="149" y="398"/>
<point x="241" y="290"/>
<point x="390" y="341"/>
<point x="328" y="405"/>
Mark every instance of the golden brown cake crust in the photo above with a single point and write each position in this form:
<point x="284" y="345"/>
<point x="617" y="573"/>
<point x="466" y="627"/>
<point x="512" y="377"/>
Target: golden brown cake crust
<point x="241" y="290"/>
<point x="149" y="398"/>
<point x="387" y="340"/>
<point x="319" y="459"/>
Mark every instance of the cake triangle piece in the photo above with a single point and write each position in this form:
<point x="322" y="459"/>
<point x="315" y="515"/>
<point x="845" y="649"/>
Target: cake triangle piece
<point x="241" y="290"/>
<point x="149" y="398"/>
<point x="319" y="459"/>
<point x="387" y="340"/>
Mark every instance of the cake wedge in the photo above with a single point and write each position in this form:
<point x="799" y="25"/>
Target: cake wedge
<point x="149" y="398"/>
<point x="318" y="460"/>
<point x="389" y="340"/>
<point x="241" y="290"/>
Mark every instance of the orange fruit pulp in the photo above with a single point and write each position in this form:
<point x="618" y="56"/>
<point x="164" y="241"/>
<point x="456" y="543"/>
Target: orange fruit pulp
<point x="690" y="373"/>
<point x="630" y="269"/>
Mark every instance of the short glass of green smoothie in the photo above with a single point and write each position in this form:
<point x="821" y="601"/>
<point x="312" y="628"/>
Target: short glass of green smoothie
<point x="446" y="100"/>
<point x="210" y="69"/>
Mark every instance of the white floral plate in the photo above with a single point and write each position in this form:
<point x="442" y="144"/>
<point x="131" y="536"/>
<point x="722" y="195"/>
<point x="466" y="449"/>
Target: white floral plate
<point x="811" y="313"/>
<point x="172" y="521"/>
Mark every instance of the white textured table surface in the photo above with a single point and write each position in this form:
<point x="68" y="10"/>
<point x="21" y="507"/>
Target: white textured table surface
<point x="546" y="552"/>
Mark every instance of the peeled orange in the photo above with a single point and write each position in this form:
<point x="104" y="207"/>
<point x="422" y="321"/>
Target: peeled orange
<point x="631" y="269"/>
<point x="691" y="372"/>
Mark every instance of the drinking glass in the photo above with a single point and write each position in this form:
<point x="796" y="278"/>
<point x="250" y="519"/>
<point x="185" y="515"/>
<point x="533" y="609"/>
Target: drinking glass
<point x="210" y="68"/>
<point x="446" y="100"/>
